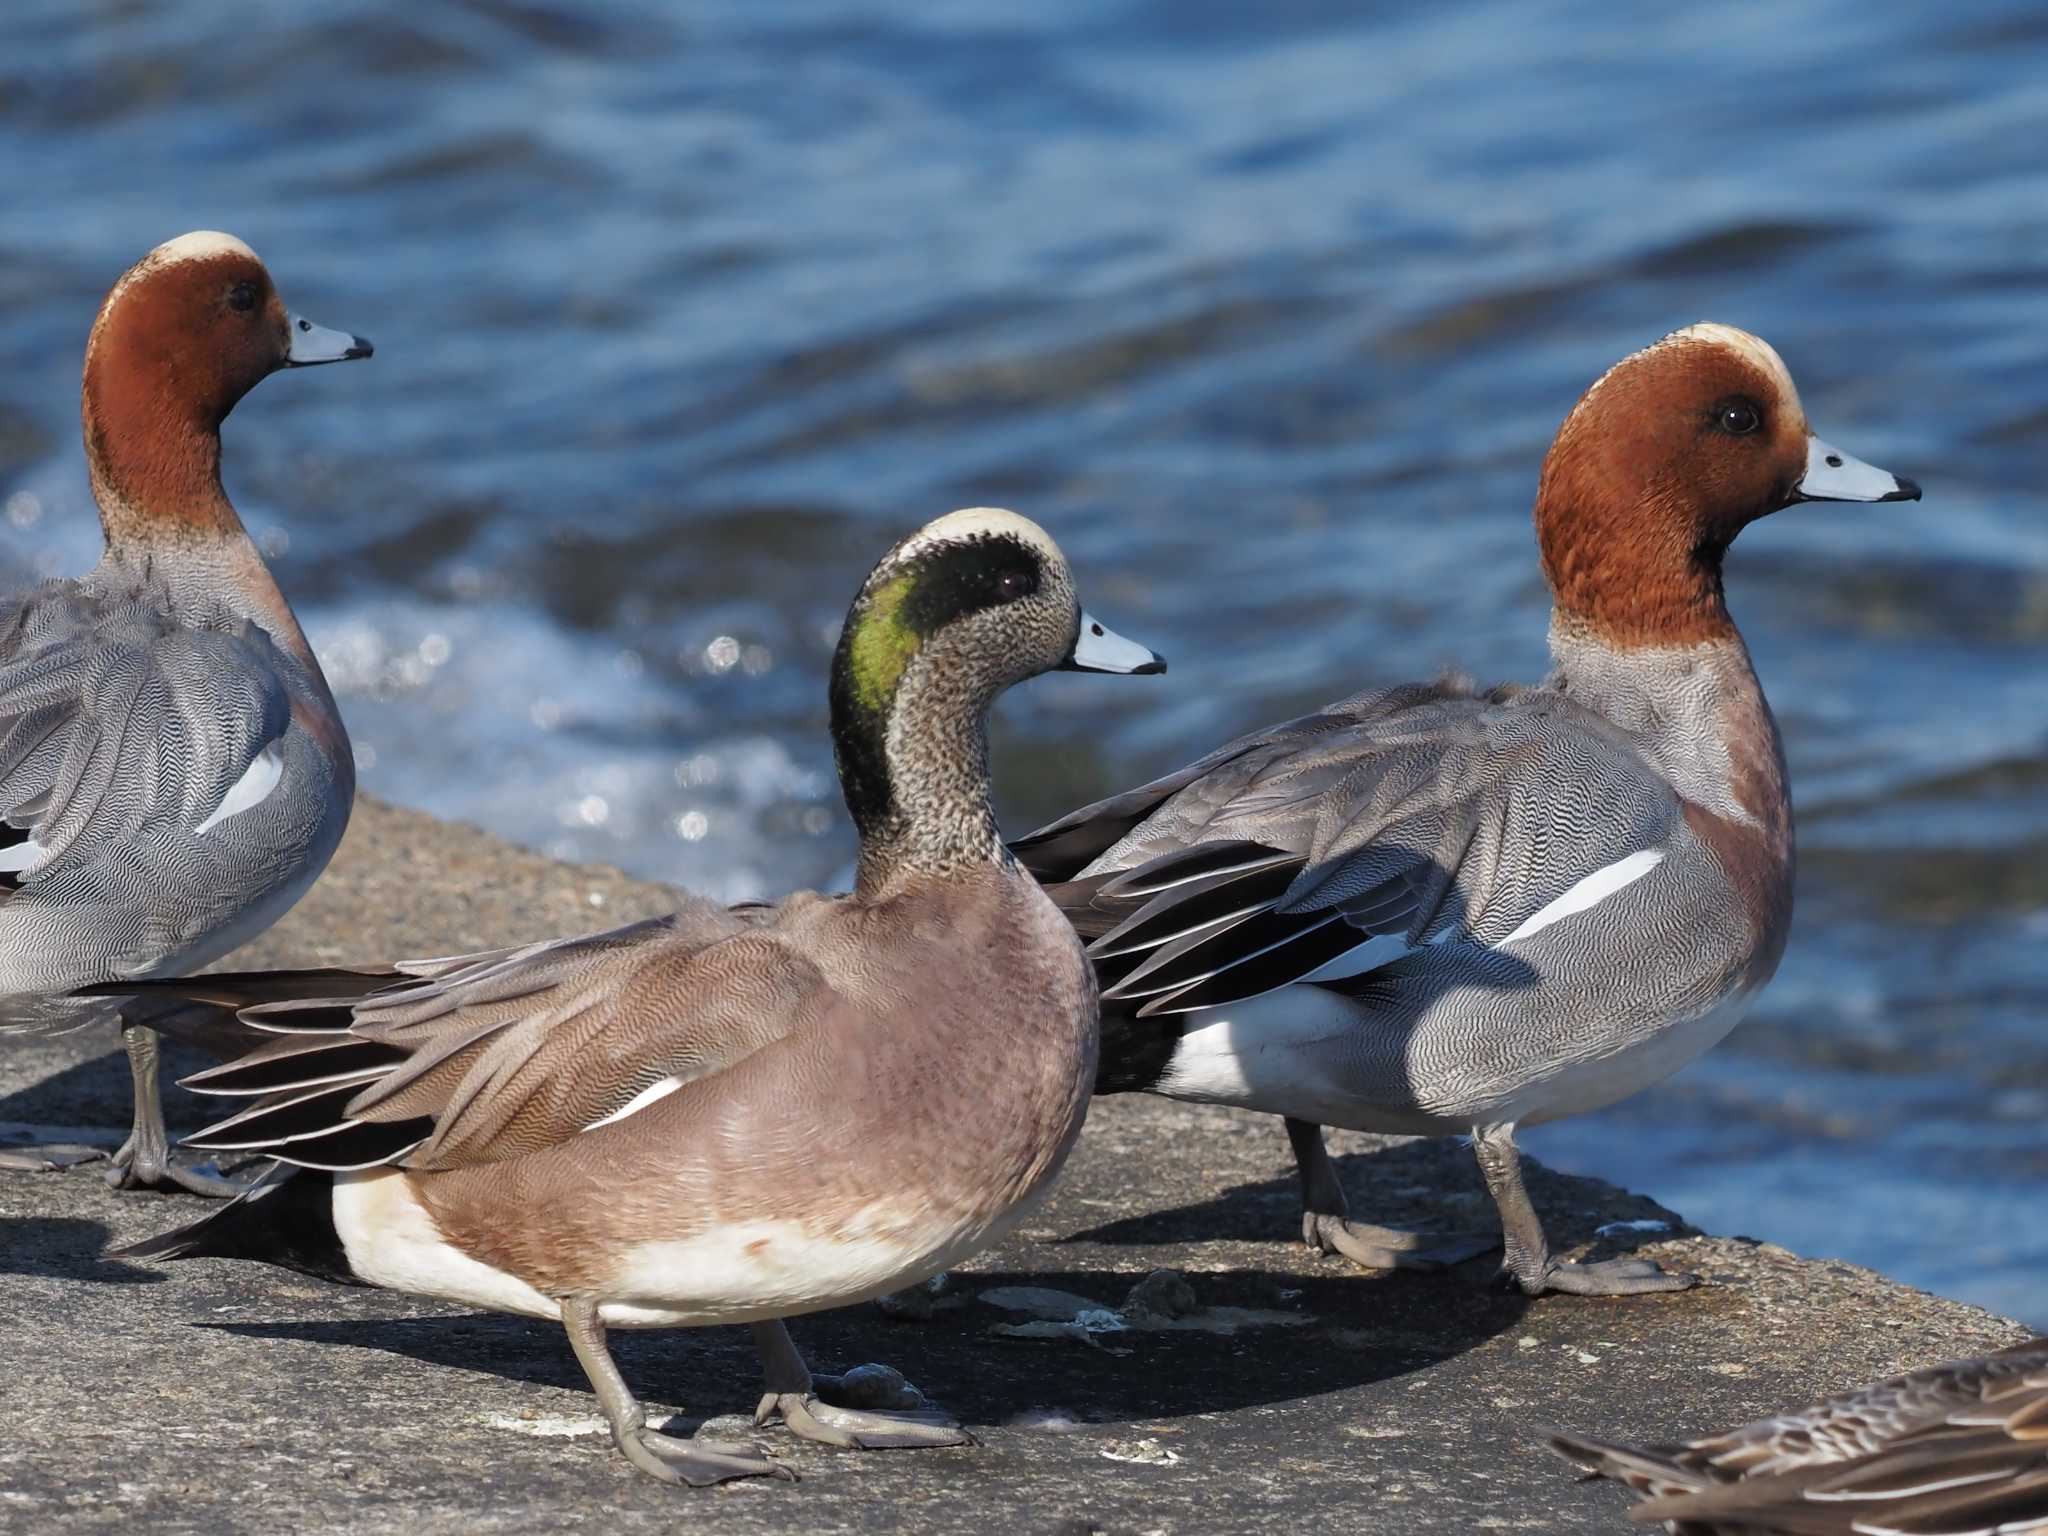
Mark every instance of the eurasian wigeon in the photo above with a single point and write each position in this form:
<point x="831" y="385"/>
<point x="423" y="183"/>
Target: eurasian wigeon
<point x="173" y="772"/>
<point x="1959" y="1449"/>
<point x="726" y="1115"/>
<point x="1434" y="910"/>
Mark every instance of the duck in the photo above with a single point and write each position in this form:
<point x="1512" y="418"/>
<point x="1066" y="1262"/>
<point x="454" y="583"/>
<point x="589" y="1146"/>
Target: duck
<point x="1957" y="1449"/>
<point x="728" y="1114"/>
<point x="1438" y="909"/>
<point x="174" y="774"/>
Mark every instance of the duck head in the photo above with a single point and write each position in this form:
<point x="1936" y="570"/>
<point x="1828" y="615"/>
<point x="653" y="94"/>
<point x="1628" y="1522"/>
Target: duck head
<point x="965" y="607"/>
<point x="180" y="338"/>
<point x="1663" y="461"/>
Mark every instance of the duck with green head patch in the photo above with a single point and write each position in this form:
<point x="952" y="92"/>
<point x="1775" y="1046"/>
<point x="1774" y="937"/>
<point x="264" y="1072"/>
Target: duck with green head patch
<point x="950" y="617"/>
<point x="725" y="1115"/>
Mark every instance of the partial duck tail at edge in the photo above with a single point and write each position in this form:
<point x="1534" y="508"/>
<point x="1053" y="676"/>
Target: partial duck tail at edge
<point x="286" y="1218"/>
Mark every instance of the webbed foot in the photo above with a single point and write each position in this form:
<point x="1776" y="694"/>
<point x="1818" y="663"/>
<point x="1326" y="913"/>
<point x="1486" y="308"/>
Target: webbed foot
<point x="857" y="1429"/>
<point x="144" y="1161"/>
<point x="53" y="1158"/>
<point x="1528" y="1263"/>
<point x="671" y="1459"/>
<point x="1603" y="1277"/>
<point x="881" y="1412"/>
<point x="1376" y="1247"/>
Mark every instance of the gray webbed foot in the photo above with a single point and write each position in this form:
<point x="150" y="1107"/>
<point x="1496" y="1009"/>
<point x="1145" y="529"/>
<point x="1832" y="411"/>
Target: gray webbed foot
<point x="665" y="1458"/>
<point x="1528" y="1263"/>
<point x="1327" y="1227"/>
<point x="53" y="1158"/>
<point x="1605" y="1277"/>
<point x="810" y="1417"/>
<point x="143" y="1163"/>
<point x="1376" y="1247"/>
<point x="883" y="1412"/>
<point x="691" y="1463"/>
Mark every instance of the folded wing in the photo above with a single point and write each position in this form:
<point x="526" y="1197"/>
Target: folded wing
<point x="115" y="719"/>
<point x="466" y="1061"/>
<point x="1347" y="840"/>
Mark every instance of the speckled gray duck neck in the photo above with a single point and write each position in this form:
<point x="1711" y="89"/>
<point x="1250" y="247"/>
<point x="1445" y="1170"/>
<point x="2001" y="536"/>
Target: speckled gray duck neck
<point x="1698" y="715"/>
<point x="913" y="764"/>
<point x="197" y="575"/>
<point x="1696" y="711"/>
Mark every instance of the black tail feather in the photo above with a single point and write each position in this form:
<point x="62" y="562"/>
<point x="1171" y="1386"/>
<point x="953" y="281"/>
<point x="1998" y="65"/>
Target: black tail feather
<point x="1135" y="1049"/>
<point x="286" y="1218"/>
<point x="245" y="989"/>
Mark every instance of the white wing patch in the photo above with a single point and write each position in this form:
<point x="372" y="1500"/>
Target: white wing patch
<point x="1369" y="955"/>
<point x="18" y="858"/>
<point x="251" y="789"/>
<point x="1590" y="892"/>
<point x="654" y="1093"/>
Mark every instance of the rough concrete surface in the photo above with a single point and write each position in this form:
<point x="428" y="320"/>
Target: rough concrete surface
<point x="1298" y="1395"/>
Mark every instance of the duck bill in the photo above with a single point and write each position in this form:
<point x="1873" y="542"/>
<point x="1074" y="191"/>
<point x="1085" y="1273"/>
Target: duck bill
<point x="313" y="344"/>
<point x="1098" y="648"/>
<point x="1832" y="475"/>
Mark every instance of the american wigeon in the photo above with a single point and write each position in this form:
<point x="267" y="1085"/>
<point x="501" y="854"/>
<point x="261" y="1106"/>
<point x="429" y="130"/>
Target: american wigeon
<point x="725" y="1115"/>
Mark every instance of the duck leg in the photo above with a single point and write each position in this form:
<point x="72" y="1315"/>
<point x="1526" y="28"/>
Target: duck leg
<point x="794" y="1395"/>
<point x="144" y="1161"/>
<point x="1327" y="1227"/>
<point x="664" y="1457"/>
<point x="1528" y="1262"/>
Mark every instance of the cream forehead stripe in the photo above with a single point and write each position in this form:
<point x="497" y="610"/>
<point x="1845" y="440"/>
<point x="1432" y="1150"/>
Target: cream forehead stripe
<point x="975" y="521"/>
<point x="1754" y="350"/>
<point x="200" y="245"/>
<point x="1760" y="354"/>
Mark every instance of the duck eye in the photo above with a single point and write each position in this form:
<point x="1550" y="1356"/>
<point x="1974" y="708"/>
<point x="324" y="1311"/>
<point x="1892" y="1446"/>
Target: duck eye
<point x="1011" y="585"/>
<point x="1738" y="418"/>
<point x="242" y="297"/>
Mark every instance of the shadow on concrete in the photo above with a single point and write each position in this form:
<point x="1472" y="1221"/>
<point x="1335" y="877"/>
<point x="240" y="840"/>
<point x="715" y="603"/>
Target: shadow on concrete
<point x="68" y="1248"/>
<point x="1353" y="1331"/>
<point x="1424" y="1184"/>
<point x="95" y="1091"/>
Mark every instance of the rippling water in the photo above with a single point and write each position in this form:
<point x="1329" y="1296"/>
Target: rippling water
<point x="1268" y="312"/>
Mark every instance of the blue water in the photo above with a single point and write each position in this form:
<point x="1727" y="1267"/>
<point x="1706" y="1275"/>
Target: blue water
<point x="1267" y="311"/>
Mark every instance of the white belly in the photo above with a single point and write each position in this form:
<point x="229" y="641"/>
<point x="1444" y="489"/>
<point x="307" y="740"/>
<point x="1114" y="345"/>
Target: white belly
<point x="1298" y="1052"/>
<point x="737" y="1272"/>
<point x="1280" y="1052"/>
<point x="391" y="1241"/>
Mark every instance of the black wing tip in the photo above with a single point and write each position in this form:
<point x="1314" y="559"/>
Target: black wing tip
<point x="178" y="1243"/>
<point x="236" y="989"/>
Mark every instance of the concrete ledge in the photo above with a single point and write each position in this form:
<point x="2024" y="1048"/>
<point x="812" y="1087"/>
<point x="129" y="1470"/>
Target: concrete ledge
<point x="215" y="1397"/>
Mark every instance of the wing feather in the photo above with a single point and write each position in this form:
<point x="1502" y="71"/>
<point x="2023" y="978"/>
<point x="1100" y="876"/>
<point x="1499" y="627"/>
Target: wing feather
<point x="470" y="1061"/>
<point x="1952" y="1450"/>
<point x="1410" y="814"/>
<point x="116" y="716"/>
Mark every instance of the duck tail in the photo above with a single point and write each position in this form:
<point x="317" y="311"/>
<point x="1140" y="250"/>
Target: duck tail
<point x="1652" y="1471"/>
<point x="285" y="1218"/>
<point x="1136" y="1050"/>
